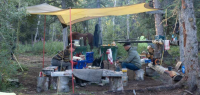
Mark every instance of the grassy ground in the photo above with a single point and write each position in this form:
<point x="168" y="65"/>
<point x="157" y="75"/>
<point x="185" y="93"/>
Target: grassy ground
<point x="31" y="59"/>
<point x="51" y="48"/>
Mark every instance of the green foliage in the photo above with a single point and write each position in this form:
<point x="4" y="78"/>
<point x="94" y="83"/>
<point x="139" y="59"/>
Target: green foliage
<point x="8" y="69"/>
<point x="174" y="51"/>
<point x="121" y="51"/>
<point x="140" y="49"/>
<point x="24" y="48"/>
<point x="88" y="46"/>
<point x="9" y="16"/>
<point x="96" y="52"/>
<point x="51" y="48"/>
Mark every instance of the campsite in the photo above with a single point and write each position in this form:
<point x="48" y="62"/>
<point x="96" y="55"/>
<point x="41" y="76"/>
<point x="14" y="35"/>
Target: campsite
<point x="99" y="47"/>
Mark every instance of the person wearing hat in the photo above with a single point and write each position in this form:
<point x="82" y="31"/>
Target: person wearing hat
<point x="132" y="61"/>
<point x="62" y="59"/>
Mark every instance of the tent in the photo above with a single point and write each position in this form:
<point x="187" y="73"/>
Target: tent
<point x="71" y="16"/>
<point x="78" y="15"/>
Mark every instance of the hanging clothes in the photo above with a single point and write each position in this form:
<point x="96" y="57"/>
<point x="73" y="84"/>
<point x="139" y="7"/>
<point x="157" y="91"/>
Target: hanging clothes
<point x="96" y="36"/>
<point x="167" y="45"/>
<point x="110" y="58"/>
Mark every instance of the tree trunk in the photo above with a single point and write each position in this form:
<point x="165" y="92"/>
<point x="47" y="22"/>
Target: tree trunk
<point x="65" y="37"/>
<point x="115" y="2"/>
<point x="53" y="32"/>
<point x="99" y="22"/>
<point x="158" y="19"/>
<point x="116" y="84"/>
<point x="127" y="22"/>
<point x="36" y="33"/>
<point x="87" y="26"/>
<point x="159" y="29"/>
<point x="63" y="84"/>
<point x="188" y="23"/>
<point x="181" y="40"/>
<point x="42" y="84"/>
<point x="64" y="4"/>
<point x="32" y="39"/>
<point x="18" y="28"/>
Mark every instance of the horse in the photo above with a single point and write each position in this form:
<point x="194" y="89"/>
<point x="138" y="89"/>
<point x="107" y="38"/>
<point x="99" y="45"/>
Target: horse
<point x="77" y="36"/>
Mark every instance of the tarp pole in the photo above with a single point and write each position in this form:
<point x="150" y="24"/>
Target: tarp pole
<point x="71" y="48"/>
<point x="44" y="39"/>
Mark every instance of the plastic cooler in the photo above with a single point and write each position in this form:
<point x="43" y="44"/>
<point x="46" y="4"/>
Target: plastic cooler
<point x="89" y="57"/>
<point x="148" y="61"/>
<point x="80" y="64"/>
<point x="157" y="37"/>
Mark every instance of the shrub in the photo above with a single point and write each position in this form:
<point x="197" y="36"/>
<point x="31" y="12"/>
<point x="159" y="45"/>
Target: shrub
<point x="174" y="51"/>
<point x="96" y="52"/>
<point x="121" y="51"/>
<point x="51" y="48"/>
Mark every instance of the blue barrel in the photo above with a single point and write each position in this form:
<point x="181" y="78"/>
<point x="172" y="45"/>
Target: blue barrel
<point x="89" y="57"/>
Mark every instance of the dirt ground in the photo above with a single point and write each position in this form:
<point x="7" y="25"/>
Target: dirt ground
<point x="28" y="81"/>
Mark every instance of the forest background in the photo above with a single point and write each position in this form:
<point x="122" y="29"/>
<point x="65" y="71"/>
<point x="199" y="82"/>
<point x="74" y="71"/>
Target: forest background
<point x="22" y="33"/>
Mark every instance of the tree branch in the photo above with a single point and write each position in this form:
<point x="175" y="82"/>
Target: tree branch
<point x="5" y="2"/>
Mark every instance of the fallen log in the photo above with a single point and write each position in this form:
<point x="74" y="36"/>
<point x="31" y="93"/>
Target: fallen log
<point x="174" y="75"/>
<point x="160" y="88"/>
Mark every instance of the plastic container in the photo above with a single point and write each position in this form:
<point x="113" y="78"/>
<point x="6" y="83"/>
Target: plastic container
<point x="183" y="69"/>
<point x="147" y="61"/>
<point x="80" y="64"/>
<point x="89" y="57"/>
<point x="170" y="68"/>
<point x="157" y="37"/>
<point x="124" y="70"/>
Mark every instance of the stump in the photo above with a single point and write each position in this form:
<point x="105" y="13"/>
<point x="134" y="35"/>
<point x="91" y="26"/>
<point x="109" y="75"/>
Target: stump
<point x="63" y="84"/>
<point x="54" y="82"/>
<point x="150" y="72"/>
<point x="42" y="84"/>
<point x="116" y="84"/>
<point x="158" y="68"/>
<point x="115" y="79"/>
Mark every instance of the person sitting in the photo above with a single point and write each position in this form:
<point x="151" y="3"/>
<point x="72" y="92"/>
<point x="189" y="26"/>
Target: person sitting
<point x="62" y="59"/>
<point x="133" y="61"/>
